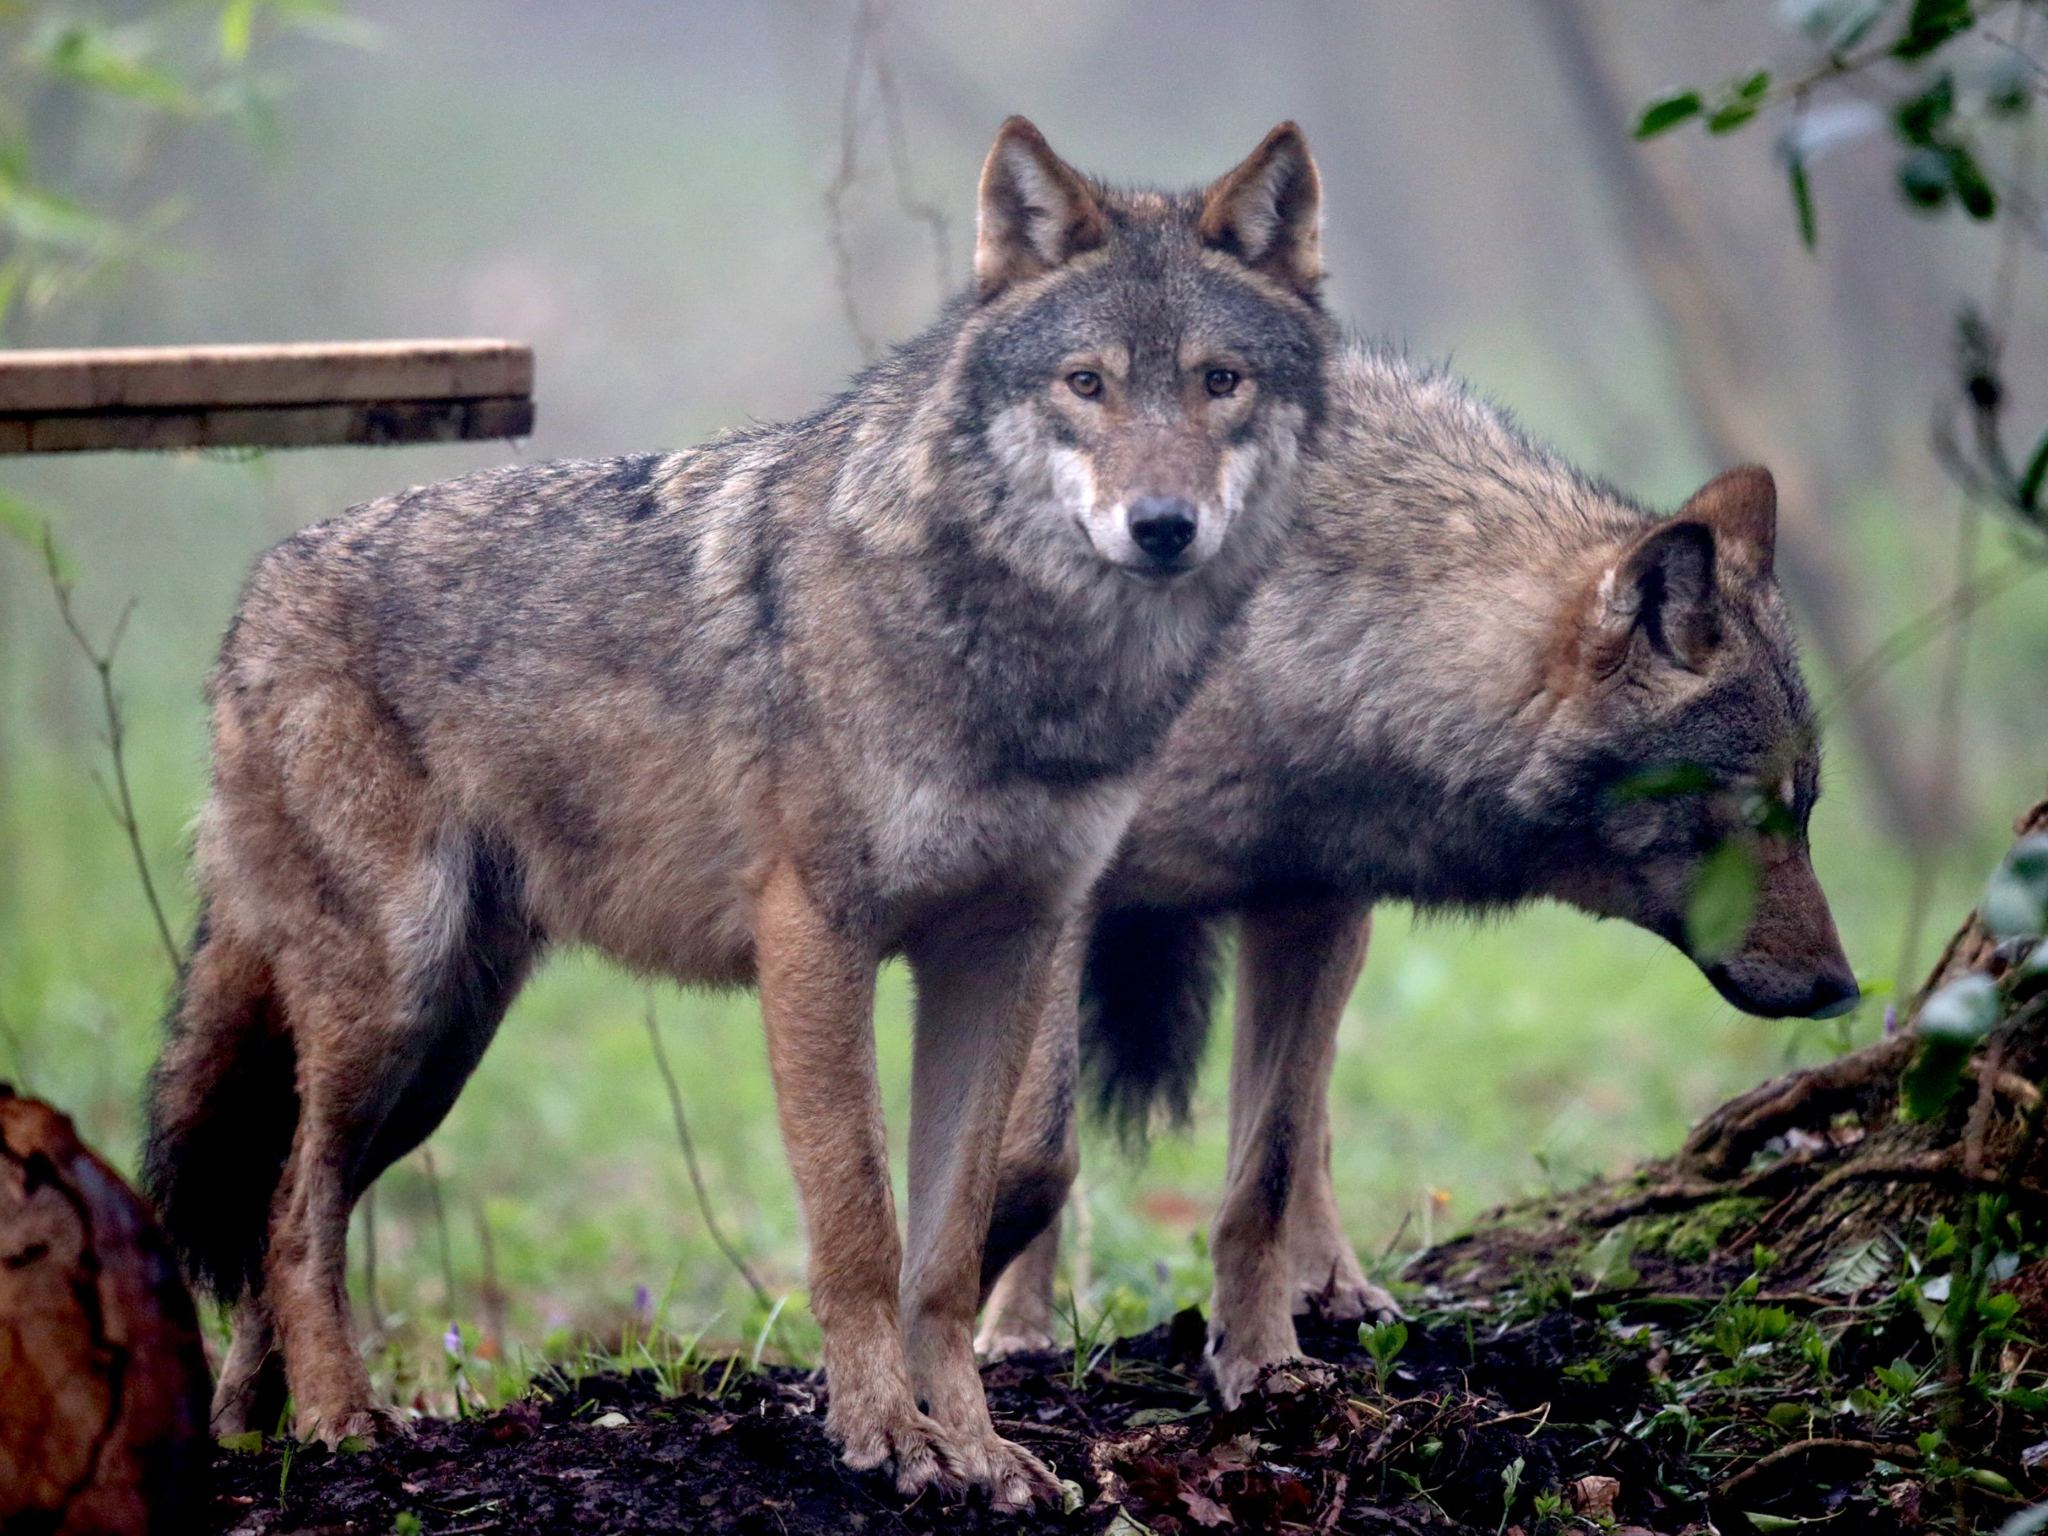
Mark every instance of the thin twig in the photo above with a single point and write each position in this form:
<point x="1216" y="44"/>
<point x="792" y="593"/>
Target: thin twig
<point x="689" y="1146"/>
<point x="867" y="60"/>
<point x="440" y="1226"/>
<point x="493" y="1297"/>
<point x="841" y="185"/>
<point x="369" y="1204"/>
<point x="120" y="801"/>
<point x="913" y="205"/>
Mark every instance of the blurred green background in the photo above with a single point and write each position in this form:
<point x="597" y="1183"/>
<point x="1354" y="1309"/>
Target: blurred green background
<point x="641" y="191"/>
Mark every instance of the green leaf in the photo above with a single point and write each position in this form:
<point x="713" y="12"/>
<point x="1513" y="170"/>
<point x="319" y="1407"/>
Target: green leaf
<point x="1740" y="104"/>
<point x="1802" y="202"/>
<point x="1931" y="1079"/>
<point x="1834" y="24"/>
<point x="1667" y="112"/>
<point x="1771" y="1523"/>
<point x="92" y="56"/>
<point x="244" y="1443"/>
<point x="1662" y="780"/>
<point x="1917" y="117"/>
<point x="237" y="22"/>
<point x="2029" y="487"/>
<point x="1932" y="23"/>
<point x="1924" y="178"/>
<point x="2015" y="904"/>
<point x="1973" y="187"/>
<point x="1962" y="1012"/>
<point x="1723" y="900"/>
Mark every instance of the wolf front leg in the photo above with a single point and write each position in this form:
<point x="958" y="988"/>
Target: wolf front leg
<point x="817" y="998"/>
<point x="982" y="977"/>
<point x="1276" y="1234"/>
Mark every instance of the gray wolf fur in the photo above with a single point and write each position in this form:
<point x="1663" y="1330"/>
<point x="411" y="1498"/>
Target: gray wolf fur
<point x="1451" y="692"/>
<point x="880" y="681"/>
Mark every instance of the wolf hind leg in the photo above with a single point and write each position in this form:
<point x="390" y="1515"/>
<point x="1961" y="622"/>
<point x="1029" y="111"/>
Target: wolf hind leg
<point x="1297" y="966"/>
<point x="387" y="1033"/>
<point x="1040" y="1156"/>
<point x="251" y="1392"/>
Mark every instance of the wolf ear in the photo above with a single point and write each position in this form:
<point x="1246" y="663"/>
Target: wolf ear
<point x="1741" y="506"/>
<point x="1269" y="212"/>
<point x="1661" y="591"/>
<point x="1036" y="211"/>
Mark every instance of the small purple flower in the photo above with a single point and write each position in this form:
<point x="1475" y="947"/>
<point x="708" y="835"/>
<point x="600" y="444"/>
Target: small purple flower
<point x="1891" y="1019"/>
<point x="452" y="1341"/>
<point x="643" y="1304"/>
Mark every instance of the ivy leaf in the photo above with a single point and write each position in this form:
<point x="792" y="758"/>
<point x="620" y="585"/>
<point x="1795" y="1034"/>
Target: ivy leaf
<point x="1667" y="112"/>
<point x="1723" y="899"/>
<point x="2016" y="901"/>
<point x="1932" y="23"/>
<point x="1962" y="1011"/>
<point x="1950" y="1025"/>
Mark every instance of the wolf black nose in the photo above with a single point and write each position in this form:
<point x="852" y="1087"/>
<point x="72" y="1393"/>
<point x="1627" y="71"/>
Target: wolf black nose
<point x="1831" y="997"/>
<point x="1162" y="526"/>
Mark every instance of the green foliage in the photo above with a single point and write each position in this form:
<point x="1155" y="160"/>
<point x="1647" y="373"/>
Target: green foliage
<point x="1667" y="112"/>
<point x="1951" y="1023"/>
<point x="1723" y="900"/>
<point x="1740" y="102"/>
<point x="128" y="82"/>
<point x="1384" y="1342"/>
<point x="2015" y="904"/>
<point x="1935" y="122"/>
<point x="1932" y="23"/>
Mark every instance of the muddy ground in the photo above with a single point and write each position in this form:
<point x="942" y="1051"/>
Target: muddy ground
<point x="1548" y="1423"/>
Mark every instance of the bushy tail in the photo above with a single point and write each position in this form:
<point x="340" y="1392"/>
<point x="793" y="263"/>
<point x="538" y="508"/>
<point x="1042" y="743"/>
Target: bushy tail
<point x="1146" y="995"/>
<point x="223" y="1105"/>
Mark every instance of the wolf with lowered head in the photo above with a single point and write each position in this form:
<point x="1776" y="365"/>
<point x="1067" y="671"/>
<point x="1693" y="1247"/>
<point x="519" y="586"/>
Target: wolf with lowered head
<point x="1476" y="678"/>
<point x="877" y="682"/>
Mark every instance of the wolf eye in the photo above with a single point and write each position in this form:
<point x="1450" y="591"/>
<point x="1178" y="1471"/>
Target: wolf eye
<point x="1085" y="382"/>
<point x="1221" y="382"/>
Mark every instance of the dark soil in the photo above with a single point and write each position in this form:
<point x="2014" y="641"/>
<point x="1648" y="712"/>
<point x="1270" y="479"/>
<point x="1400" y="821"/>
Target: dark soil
<point x="1322" y="1448"/>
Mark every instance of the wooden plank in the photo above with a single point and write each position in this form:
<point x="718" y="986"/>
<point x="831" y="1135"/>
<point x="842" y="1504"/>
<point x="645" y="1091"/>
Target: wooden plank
<point x="33" y="382"/>
<point x="372" y="423"/>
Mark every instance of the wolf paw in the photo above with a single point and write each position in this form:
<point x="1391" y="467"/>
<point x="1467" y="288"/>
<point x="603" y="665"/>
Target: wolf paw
<point x="1015" y="1479"/>
<point x="1000" y="1338"/>
<point x="366" y="1426"/>
<point x="910" y="1448"/>
<point x="1344" y="1298"/>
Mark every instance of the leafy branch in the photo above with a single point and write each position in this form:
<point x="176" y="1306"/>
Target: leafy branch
<point x="120" y="800"/>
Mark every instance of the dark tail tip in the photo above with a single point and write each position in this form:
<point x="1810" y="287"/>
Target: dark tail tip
<point x="1146" y="997"/>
